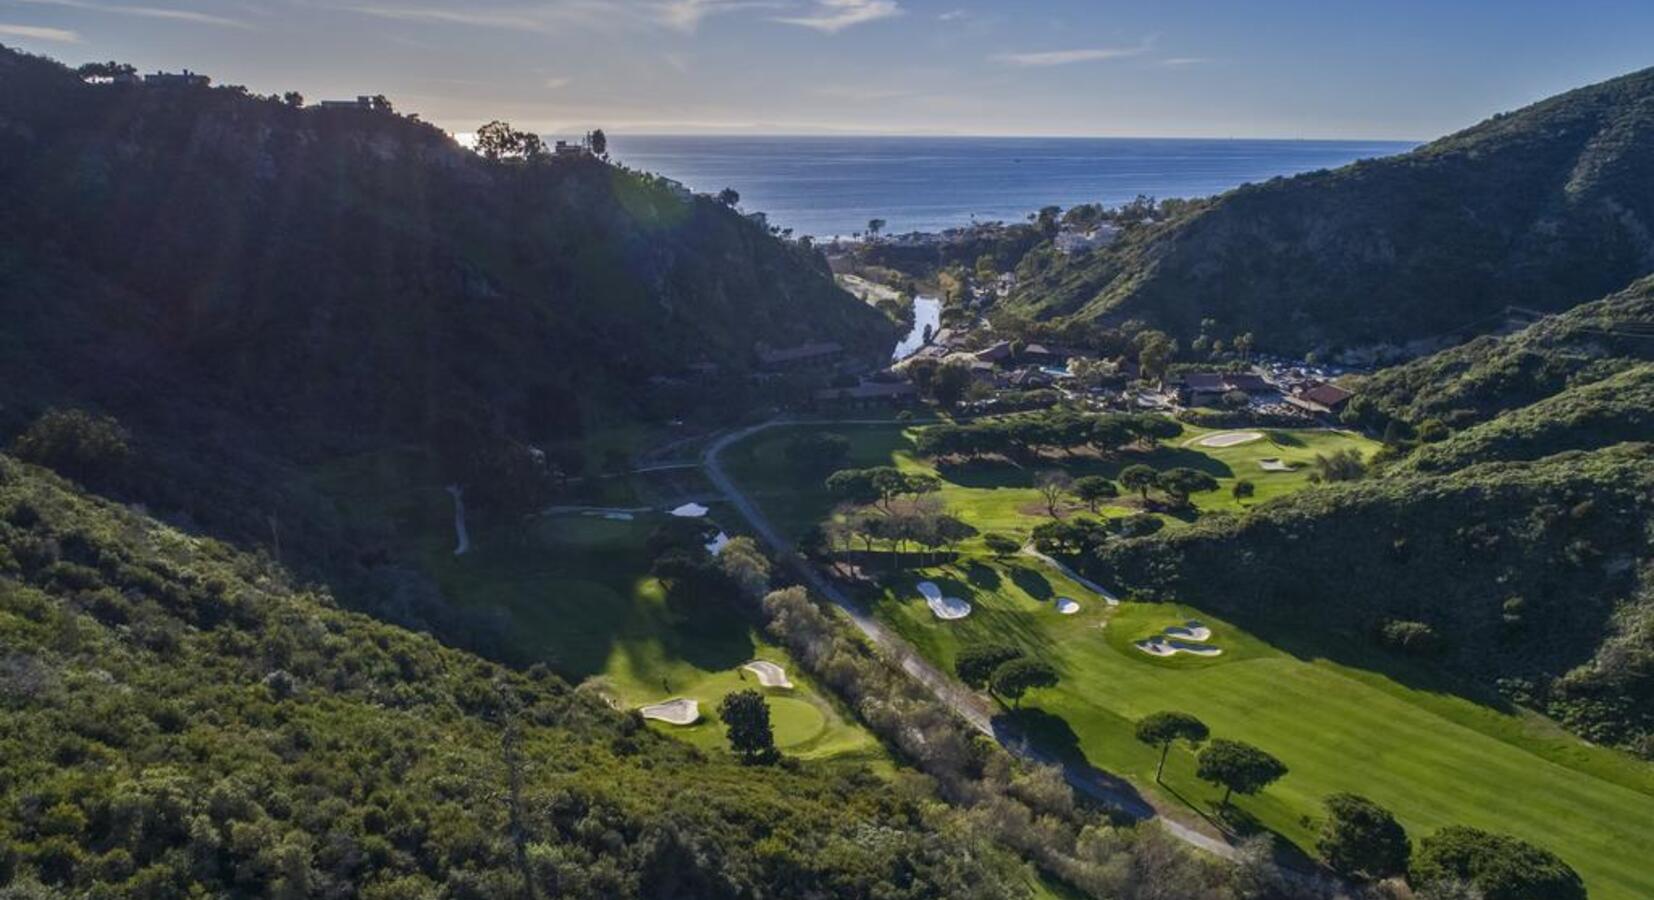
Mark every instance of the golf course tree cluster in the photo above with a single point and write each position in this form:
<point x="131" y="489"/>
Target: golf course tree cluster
<point x="1027" y="436"/>
<point x="1360" y="839"/>
<point x="1078" y="535"/>
<point x="1162" y="729"/>
<point x="700" y="587"/>
<point x="886" y="507"/>
<point x="1004" y="670"/>
<point x="1031" y="809"/>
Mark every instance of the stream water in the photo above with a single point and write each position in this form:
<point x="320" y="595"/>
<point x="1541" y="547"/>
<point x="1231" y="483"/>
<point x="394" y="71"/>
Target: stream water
<point x="927" y="319"/>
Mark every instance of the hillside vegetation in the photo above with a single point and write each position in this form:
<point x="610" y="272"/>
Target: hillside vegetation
<point x="1476" y="381"/>
<point x="1545" y="207"/>
<point x="180" y="717"/>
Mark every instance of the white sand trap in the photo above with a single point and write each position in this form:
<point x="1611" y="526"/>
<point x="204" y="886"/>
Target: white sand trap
<point x="717" y="544"/>
<point x="1190" y="631"/>
<point x="1230" y="438"/>
<point x="947" y="608"/>
<point x="1067" y="606"/>
<point x="674" y="712"/>
<point x="691" y="511"/>
<point x="1274" y="465"/>
<point x="769" y="674"/>
<point x="1161" y="646"/>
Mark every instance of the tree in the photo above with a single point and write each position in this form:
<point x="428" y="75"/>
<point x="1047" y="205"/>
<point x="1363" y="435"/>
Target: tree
<point x="1053" y="485"/>
<point x="497" y="140"/>
<point x="854" y="485"/>
<point x="1017" y="677"/>
<point x="381" y="103"/>
<point x="1139" y="478"/>
<point x="1001" y="545"/>
<point x="1243" y="344"/>
<point x="1162" y="728"/>
<point x="597" y="142"/>
<point x="1243" y="490"/>
<point x="74" y="443"/>
<point x="1501" y="867"/>
<point x="1359" y="837"/>
<point x="874" y="226"/>
<point x="746" y="567"/>
<point x="949" y="385"/>
<point x="1155" y="350"/>
<point x="976" y="663"/>
<point x="293" y="99"/>
<point x="747" y="718"/>
<point x="531" y="147"/>
<point x="1342" y="465"/>
<point x="1236" y="766"/>
<point x="729" y="197"/>
<point x="1181" y="482"/>
<point x="1093" y="490"/>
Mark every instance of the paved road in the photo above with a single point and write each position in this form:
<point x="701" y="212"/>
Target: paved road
<point x="970" y="706"/>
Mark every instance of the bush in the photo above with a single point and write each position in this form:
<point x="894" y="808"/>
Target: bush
<point x="1501" y="867"/>
<point x="75" y="444"/>
<point x="1412" y="638"/>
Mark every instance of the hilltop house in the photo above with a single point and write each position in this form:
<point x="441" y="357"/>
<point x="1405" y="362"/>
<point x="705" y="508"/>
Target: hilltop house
<point x="868" y="395"/>
<point x="185" y="78"/>
<point x="361" y="102"/>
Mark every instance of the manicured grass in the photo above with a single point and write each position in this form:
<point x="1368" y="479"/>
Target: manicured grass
<point x="1433" y="758"/>
<point x="1431" y="755"/>
<point x="575" y="592"/>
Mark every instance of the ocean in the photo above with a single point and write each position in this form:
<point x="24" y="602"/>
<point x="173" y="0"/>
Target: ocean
<point x="826" y="186"/>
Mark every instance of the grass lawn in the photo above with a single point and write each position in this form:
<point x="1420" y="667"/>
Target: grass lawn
<point x="1431" y="756"/>
<point x="576" y="593"/>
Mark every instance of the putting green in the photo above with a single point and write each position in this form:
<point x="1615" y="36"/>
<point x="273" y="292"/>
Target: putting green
<point x="1398" y="732"/>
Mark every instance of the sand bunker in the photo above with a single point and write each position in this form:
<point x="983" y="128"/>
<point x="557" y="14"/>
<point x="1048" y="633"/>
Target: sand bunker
<point x="769" y="674"/>
<point x="1190" y="637"/>
<point x="1230" y="438"/>
<point x="1190" y="631"/>
<point x="674" y="712"/>
<point x="1067" y="606"/>
<point x="1163" y="646"/>
<point x="717" y="544"/>
<point x="947" y="608"/>
<point x="1274" y="465"/>
<point x="690" y="511"/>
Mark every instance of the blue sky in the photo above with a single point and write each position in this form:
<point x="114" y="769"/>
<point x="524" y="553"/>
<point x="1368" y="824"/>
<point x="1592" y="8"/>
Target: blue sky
<point x="1265" y="68"/>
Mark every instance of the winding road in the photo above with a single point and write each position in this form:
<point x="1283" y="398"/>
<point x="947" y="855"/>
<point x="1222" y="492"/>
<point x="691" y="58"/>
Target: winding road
<point x="1102" y="787"/>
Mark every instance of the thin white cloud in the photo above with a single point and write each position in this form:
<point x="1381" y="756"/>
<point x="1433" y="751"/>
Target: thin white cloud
<point x="557" y="84"/>
<point x="1185" y="61"/>
<point x="953" y="15"/>
<point x="687" y="15"/>
<point x="34" y="32"/>
<point x="833" y="16"/>
<point x="1043" y="58"/>
<point x="169" y="13"/>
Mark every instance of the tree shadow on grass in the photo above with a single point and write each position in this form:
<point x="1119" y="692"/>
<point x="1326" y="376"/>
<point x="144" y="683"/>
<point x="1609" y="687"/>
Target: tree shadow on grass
<point x="1284" y="439"/>
<point x="1032" y="583"/>
<point x="1052" y="737"/>
<point x="983" y="577"/>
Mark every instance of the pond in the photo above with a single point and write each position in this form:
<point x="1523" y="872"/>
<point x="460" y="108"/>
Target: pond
<point x="927" y="318"/>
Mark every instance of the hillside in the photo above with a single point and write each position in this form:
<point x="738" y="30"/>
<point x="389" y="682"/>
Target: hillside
<point x="1546" y="207"/>
<point x="343" y="271"/>
<point x="1478" y="380"/>
<point x="1532" y="578"/>
<point x="180" y="717"/>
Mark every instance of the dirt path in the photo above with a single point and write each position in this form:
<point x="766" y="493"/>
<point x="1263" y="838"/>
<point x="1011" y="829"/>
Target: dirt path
<point x="1101" y="786"/>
